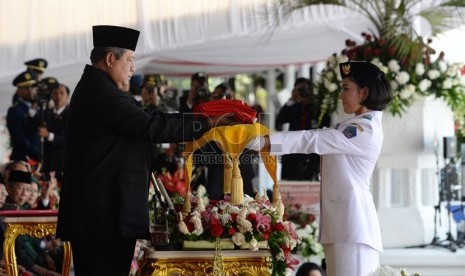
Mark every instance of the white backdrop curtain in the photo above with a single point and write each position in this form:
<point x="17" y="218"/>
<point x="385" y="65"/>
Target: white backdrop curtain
<point x="177" y="37"/>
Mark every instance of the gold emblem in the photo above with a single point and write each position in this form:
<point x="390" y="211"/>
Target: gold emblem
<point x="346" y="69"/>
<point x="27" y="76"/>
<point x="52" y="81"/>
<point x="41" y="64"/>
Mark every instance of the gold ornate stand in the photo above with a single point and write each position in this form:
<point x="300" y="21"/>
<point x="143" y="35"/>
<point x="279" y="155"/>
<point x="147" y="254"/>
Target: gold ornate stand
<point x="200" y="263"/>
<point x="36" y="224"/>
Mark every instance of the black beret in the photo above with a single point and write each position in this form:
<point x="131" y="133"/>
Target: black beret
<point x="25" y="79"/>
<point x="20" y="176"/>
<point x="115" y="36"/>
<point x="38" y="64"/>
<point x="360" y="70"/>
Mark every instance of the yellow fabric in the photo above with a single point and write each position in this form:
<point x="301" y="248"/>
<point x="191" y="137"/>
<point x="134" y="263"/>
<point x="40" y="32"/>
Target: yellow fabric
<point x="232" y="141"/>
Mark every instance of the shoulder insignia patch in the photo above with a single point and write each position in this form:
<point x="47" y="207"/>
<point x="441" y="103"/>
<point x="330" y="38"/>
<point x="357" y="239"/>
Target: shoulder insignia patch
<point x="368" y="117"/>
<point x="336" y="126"/>
<point x="358" y="126"/>
<point x="350" y="131"/>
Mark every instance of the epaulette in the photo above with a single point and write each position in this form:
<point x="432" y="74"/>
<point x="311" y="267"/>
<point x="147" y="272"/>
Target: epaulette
<point x="367" y="116"/>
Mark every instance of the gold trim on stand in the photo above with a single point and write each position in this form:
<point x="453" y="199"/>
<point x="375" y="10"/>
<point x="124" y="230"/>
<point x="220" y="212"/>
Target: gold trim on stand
<point x="37" y="227"/>
<point x="246" y="265"/>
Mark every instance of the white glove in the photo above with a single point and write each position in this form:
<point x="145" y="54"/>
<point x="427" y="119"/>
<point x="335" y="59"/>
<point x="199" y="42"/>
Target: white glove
<point x="256" y="144"/>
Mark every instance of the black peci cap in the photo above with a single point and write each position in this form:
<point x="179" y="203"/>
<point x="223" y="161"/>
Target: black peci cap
<point x="360" y="70"/>
<point x="20" y="176"/>
<point x="115" y="36"/>
<point x="25" y="79"/>
<point x="38" y="64"/>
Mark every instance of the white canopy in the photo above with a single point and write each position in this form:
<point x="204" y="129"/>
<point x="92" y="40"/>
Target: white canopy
<point x="178" y="37"/>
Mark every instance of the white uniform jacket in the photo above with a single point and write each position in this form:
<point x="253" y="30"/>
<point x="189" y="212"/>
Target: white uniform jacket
<point x="349" y="152"/>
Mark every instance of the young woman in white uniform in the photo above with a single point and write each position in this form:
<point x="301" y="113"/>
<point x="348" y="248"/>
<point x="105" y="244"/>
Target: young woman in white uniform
<point x="349" y="227"/>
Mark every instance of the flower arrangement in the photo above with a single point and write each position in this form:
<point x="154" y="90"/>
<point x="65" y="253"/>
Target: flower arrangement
<point x="389" y="271"/>
<point x="254" y="221"/>
<point x="411" y="77"/>
<point x="307" y="228"/>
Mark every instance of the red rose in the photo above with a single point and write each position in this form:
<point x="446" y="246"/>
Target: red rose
<point x="232" y="231"/>
<point x="266" y="236"/>
<point x="190" y="226"/>
<point x="216" y="230"/>
<point x="278" y="226"/>
<point x="234" y="217"/>
<point x="391" y="51"/>
<point x="286" y="249"/>
<point x="311" y="218"/>
<point x="252" y="217"/>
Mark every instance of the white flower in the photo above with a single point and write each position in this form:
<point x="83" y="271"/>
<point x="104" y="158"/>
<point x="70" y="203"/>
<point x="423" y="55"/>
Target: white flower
<point x="238" y="238"/>
<point x="442" y="66"/>
<point x="332" y="87"/>
<point x="201" y="191"/>
<point x="394" y="85"/>
<point x="183" y="228"/>
<point x="393" y="65"/>
<point x="385" y="271"/>
<point x="225" y="218"/>
<point x="403" y="77"/>
<point x="342" y="59"/>
<point x="329" y="75"/>
<point x="447" y="84"/>
<point x="245" y="226"/>
<point x="253" y="244"/>
<point x="462" y="80"/>
<point x="198" y="227"/>
<point x="200" y="207"/>
<point x="424" y="85"/>
<point x="433" y="74"/>
<point x="406" y="92"/>
<point x="420" y="69"/>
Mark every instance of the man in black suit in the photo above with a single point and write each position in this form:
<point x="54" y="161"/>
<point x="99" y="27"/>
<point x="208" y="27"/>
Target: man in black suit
<point x="104" y="198"/>
<point x="53" y="130"/>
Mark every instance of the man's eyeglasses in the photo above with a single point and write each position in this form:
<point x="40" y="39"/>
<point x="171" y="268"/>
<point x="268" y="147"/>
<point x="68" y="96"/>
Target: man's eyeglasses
<point x="21" y="188"/>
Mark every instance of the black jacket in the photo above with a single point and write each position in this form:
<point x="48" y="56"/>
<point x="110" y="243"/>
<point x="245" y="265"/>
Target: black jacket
<point x="54" y="152"/>
<point x="107" y="165"/>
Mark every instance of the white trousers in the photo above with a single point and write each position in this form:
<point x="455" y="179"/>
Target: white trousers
<point x="350" y="259"/>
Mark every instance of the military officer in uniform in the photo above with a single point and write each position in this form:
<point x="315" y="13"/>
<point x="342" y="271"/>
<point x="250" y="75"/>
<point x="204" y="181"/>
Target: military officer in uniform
<point x="349" y="228"/>
<point x="25" y="141"/>
<point x="37" y="66"/>
<point x="104" y="198"/>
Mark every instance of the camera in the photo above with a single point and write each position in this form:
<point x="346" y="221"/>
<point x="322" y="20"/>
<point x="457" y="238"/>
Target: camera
<point x="202" y="94"/>
<point x="45" y="88"/>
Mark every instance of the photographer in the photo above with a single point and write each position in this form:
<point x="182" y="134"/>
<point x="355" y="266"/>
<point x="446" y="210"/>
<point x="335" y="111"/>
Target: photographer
<point x="195" y="94"/>
<point x="52" y="129"/>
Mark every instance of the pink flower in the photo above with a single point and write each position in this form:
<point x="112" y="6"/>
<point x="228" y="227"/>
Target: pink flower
<point x="263" y="223"/>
